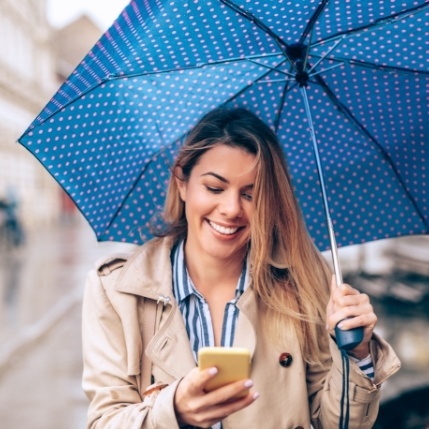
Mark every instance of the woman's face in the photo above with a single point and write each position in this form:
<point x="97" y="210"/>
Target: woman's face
<point x="218" y="203"/>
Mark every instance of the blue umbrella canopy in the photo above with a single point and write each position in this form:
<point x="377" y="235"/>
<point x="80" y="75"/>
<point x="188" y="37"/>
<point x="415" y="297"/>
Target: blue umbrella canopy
<point x="111" y="131"/>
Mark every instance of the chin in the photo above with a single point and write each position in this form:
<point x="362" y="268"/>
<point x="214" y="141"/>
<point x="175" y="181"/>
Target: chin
<point x="225" y="253"/>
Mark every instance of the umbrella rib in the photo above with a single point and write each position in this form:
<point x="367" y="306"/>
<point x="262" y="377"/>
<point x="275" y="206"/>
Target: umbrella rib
<point x="134" y="185"/>
<point x="322" y="57"/>
<point x="245" y="88"/>
<point x="374" y="66"/>
<point x="325" y="70"/>
<point x="349" y="115"/>
<point x="286" y="89"/>
<point x="310" y="25"/>
<point x="252" y="18"/>
<point x="275" y="69"/>
<point x="112" y="77"/>
<point x="376" y="24"/>
<point x="250" y="58"/>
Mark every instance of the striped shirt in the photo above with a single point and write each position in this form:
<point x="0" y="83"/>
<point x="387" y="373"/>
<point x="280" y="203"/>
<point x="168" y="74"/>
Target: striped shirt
<point x="196" y="312"/>
<point x="366" y="366"/>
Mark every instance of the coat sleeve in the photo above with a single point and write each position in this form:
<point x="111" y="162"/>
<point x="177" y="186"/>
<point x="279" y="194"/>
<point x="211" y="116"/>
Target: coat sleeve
<point x="115" y="401"/>
<point x="325" y="386"/>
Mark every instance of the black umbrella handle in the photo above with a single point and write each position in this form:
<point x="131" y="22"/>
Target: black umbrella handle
<point x="348" y="340"/>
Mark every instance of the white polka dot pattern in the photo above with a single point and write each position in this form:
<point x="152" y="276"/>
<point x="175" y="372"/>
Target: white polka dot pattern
<point x="110" y="133"/>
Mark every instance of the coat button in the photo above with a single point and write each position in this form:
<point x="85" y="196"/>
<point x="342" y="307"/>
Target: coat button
<point x="285" y="359"/>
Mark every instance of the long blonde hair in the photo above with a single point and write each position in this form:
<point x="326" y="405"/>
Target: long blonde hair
<point x="290" y="277"/>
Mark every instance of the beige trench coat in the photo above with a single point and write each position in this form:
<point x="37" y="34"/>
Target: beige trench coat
<point x="290" y="397"/>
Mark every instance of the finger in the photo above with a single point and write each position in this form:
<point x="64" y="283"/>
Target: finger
<point x="230" y="392"/>
<point x="345" y="289"/>
<point x="339" y="291"/>
<point x="189" y="400"/>
<point x="205" y="376"/>
<point x="219" y="411"/>
<point x="352" y="317"/>
<point x="196" y="380"/>
<point x="352" y="300"/>
<point x="347" y="296"/>
<point x="341" y="296"/>
<point x="367" y="321"/>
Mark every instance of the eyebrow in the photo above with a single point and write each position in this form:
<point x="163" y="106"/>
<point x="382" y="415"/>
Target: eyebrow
<point x="222" y="179"/>
<point x="210" y="173"/>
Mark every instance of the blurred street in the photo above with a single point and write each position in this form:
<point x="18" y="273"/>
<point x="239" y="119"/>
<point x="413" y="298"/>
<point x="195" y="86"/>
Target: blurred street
<point x="41" y="287"/>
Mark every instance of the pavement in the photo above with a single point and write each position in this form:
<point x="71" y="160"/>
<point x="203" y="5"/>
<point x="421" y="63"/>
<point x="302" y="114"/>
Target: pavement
<point x="41" y="289"/>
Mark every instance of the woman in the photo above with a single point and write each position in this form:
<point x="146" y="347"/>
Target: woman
<point x="234" y="266"/>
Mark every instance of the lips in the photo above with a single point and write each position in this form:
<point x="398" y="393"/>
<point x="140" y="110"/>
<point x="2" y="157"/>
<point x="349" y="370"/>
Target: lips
<point x="223" y="229"/>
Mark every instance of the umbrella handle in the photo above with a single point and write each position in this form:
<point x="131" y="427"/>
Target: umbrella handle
<point x="348" y="340"/>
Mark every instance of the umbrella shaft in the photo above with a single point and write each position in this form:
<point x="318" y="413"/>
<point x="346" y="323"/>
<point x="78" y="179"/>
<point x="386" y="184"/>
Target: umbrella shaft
<point x="331" y="232"/>
<point x="334" y="252"/>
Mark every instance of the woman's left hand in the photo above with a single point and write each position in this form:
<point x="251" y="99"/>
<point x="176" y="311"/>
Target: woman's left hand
<point x="351" y="309"/>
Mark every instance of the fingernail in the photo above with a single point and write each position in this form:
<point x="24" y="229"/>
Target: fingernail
<point x="213" y="371"/>
<point x="248" y="383"/>
<point x="341" y="325"/>
<point x="256" y="395"/>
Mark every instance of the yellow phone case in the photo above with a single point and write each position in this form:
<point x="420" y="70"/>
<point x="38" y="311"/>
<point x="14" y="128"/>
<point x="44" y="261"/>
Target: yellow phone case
<point x="233" y="364"/>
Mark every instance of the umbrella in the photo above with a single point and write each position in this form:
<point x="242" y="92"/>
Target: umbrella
<point x="343" y="84"/>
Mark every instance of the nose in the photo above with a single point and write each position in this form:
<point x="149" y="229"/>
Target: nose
<point x="231" y="205"/>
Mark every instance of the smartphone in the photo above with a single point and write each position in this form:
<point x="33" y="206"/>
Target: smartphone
<point x="233" y="364"/>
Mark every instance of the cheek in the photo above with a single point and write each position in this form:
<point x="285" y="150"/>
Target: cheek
<point x="249" y="212"/>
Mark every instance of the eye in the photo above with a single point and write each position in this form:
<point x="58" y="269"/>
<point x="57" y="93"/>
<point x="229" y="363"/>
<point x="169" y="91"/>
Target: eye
<point x="214" y="190"/>
<point x="247" y="196"/>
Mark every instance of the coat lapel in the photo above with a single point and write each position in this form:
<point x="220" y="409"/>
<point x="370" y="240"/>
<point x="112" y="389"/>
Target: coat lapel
<point x="245" y="335"/>
<point x="169" y="348"/>
<point x="148" y="274"/>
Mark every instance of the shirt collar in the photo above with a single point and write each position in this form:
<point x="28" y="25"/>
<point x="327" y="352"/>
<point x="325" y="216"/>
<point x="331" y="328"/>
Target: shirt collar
<point x="182" y="283"/>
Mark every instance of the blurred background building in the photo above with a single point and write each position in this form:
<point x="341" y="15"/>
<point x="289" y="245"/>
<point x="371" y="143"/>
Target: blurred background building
<point x="35" y="59"/>
<point x="27" y="80"/>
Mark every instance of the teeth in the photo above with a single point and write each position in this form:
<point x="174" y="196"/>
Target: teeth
<point x="222" y="229"/>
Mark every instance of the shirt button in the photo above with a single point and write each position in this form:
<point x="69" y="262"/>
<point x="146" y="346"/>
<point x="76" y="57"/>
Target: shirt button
<point x="285" y="359"/>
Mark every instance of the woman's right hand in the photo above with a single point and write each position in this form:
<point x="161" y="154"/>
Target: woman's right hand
<point x="196" y="407"/>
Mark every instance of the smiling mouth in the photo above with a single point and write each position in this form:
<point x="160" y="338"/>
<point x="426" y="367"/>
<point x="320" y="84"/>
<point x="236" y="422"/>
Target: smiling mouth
<point x="222" y="229"/>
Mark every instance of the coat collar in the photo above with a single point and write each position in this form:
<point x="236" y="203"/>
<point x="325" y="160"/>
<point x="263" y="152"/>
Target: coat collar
<point x="148" y="271"/>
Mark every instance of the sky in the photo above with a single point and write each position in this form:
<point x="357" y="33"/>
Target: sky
<point x="102" y="12"/>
